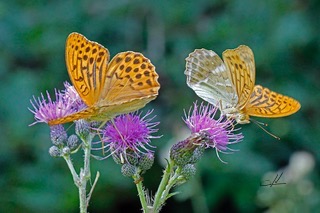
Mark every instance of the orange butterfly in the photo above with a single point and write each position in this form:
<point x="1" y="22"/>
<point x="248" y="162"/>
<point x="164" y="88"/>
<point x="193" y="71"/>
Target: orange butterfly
<point x="230" y="84"/>
<point x="125" y="84"/>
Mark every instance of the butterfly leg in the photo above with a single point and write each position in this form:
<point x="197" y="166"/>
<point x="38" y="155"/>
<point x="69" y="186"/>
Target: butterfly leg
<point x="230" y="118"/>
<point x="220" y="106"/>
<point x="102" y="143"/>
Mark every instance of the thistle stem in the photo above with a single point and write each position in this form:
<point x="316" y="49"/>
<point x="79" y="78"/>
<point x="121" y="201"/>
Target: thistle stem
<point x="172" y="181"/>
<point x="141" y="193"/>
<point x="72" y="170"/>
<point x="92" y="188"/>
<point x="84" y="176"/>
<point x="159" y="198"/>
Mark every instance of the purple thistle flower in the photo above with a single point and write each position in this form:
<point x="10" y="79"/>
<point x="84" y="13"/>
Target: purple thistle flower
<point x="71" y="95"/>
<point x="221" y="132"/>
<point x="66" y="102"/>
<point x="130" y="133"/>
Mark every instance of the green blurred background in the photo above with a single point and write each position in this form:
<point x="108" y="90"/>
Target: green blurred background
<point x="284" y="36"/>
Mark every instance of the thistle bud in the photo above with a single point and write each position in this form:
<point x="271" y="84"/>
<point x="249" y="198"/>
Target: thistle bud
<point x="131" y="157"/>
<point x="146" y="161"/>
<point x="54" y="151"/>
<point x="183" y="152"/>
<point x="73" y="142"/>
<point x="197" y="154"/>
<point x="188" y="171"/>
<point x="82" y="129"/>
<point x="95" y="124"/>
<point x="58" y="135"/>
<point x="65" y="151"/>
<point x="128" y="170"/>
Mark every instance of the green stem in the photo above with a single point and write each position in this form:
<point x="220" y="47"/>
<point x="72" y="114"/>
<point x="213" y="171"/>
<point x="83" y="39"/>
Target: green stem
<point x="80" y="182"/>
<point x="158" y="199"/>
<point x="172" y="181"/>
<point x="85" y="175"/>
<point x="72" y="170"/>
<point x="92" y="188"/>
<point x="142" y="197"/>
<point x="83" y="192"/>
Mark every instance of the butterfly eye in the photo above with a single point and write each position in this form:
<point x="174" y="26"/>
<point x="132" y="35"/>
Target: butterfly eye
<point x="242" y="118"/>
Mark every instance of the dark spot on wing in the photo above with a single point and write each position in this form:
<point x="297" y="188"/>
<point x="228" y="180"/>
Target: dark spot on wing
<point x="127" y="59"/>
<point x="136" y="61"/>
<point x="128" y="69"/>
<point x="149" y="82"/>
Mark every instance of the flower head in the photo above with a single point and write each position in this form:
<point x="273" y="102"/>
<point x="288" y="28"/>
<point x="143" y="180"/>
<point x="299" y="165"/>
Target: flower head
<point x="220" y="132"/>
<point x="66" y="102"/>
<point x="71" y="95"/>
<point x="130" y="134"/>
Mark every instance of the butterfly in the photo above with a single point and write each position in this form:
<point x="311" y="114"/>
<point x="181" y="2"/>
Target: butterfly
<point x="230" y="85"/>
<point x="125" y="84"/>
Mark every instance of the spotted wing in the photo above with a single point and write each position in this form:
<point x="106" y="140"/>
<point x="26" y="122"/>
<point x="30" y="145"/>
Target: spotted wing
<point x="266" y="103"/>
<point x="130" y="76"/>
<point x="240" y="63"/>
<point x="87" y="63"/>
<point x="87" y="113"/>
<point x="208" y="76"/>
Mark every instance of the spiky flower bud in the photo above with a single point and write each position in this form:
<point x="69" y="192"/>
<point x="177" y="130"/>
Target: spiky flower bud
<point x="73" y="142"/>
<point x="65" y="151"/>
<point x="183" y="152"/>
<point x="58" y="135"/>
<point x="188" y="171"/>
<point x="95" y="124"/>
<point x="82" y="129"/>
<point x="197" y="154"/>
<point x="180" y="155"/>
<point x="146" y="161"/>
<point x="131" y="157"/>
<point x="128" y="156"/>
<point x="128" y="170"/>
<point x="54" y="151"/>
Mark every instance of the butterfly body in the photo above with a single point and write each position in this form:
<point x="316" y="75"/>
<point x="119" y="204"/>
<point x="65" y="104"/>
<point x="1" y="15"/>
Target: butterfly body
<point x="230" y="85"/>
<point x="240" y="116"/>
<point x="125" y="84"/>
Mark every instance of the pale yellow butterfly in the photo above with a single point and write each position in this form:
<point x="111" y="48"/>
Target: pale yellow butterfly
<point x="125" y="84"/>
<point x="230" y="85"/>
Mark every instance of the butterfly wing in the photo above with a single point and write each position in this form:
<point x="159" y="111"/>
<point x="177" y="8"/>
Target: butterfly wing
<point x="131" y="82"/>
<point x="104" y="112"/>
<point x="269" y="104"/>
<point x="208" y="76"/>
<point x="83" y="114"/>
<point x="87" y="62"/>
<point x="128" y="83"/>
<point x="240" y="63"/>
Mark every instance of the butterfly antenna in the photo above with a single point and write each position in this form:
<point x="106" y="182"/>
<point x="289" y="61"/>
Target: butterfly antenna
<point x="260" y="125"/>
<point x="259" y="122"/>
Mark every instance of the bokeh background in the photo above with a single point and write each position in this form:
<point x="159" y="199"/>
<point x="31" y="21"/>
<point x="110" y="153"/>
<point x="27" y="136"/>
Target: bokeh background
<point x="285" y="38"/>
